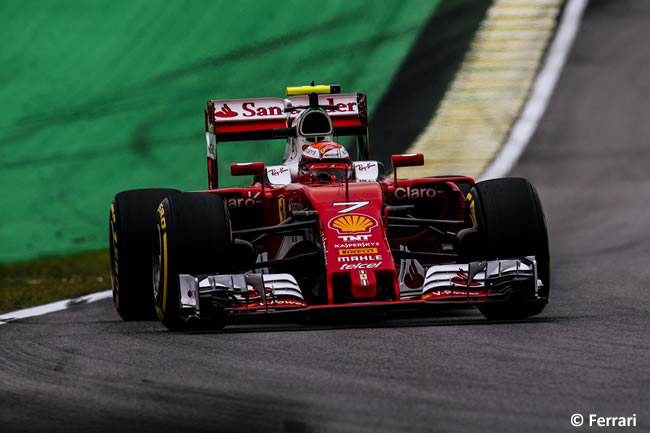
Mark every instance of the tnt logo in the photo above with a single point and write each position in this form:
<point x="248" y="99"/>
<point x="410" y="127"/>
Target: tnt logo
<point x="354" y="238"/>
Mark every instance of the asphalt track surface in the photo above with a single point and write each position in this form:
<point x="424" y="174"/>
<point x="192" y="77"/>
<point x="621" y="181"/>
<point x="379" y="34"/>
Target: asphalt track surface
<point x="85" y="370"/>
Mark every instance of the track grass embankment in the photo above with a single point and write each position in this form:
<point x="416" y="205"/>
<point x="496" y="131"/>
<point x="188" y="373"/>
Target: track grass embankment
<point x="37" y="282"/>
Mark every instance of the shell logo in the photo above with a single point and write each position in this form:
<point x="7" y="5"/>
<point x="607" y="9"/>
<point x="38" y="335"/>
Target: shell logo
<point x="353" y="223"/>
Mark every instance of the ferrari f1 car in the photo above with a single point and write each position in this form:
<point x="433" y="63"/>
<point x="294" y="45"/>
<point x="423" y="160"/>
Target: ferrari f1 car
<point x="323" y="232"/>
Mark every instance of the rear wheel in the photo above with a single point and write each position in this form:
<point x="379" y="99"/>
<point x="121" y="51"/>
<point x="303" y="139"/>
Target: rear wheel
<point x="130" y="221"/>
<point x="192" y="235"/>
<point x="510" y="221"/>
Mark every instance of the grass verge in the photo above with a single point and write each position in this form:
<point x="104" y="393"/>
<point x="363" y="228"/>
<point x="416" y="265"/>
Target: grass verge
<point x="37" y="282"/>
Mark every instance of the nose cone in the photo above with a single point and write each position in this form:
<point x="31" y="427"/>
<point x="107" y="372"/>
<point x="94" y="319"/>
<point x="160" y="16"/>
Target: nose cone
<point x="355" y="244"/>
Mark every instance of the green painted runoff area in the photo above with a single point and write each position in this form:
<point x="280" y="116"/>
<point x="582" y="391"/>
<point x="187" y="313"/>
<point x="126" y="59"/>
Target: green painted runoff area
<point x="103" y="96"/>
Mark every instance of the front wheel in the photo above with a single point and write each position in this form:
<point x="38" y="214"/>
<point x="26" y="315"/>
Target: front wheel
<point x="509" y="218"/>
<point x="130" y="221"/>
<point x="192" y="235"/>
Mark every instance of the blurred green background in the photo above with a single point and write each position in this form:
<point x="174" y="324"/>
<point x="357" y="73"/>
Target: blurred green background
<point x="102" y="96"/>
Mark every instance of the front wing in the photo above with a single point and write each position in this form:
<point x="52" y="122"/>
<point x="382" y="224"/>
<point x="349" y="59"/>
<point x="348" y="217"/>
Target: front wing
<point x="466" y="284"/>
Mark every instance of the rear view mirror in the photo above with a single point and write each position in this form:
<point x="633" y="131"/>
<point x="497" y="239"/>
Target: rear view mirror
<point x="408" y="160"/>
<point x="247" y="168"/>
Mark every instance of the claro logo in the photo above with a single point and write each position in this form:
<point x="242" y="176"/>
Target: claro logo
<point x="402" y="193"/>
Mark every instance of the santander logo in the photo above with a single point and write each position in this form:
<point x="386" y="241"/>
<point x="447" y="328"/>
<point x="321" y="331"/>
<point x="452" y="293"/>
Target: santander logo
<point x="225" y="112"/>
<point x="274" y="108"/>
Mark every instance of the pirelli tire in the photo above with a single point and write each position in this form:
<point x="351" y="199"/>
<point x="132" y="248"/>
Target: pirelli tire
<point x="131" y="218"/>
<point x="511" y="223"/>
<point x="192" y="235"/>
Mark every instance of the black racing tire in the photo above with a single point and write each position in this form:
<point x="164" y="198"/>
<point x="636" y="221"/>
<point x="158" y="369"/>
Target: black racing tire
<point x="130" y="221"/>
<point x="510" y="221"/>
<point x="192" y="235"/>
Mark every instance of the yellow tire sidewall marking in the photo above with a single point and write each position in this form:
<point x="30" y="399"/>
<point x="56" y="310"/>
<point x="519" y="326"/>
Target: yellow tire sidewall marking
<point x="116" y="299"/>
<point x="472" y="209"/>
<point x="164" y="305"/>
<point x="282" y="209"/>
<point x="163" y="231"/>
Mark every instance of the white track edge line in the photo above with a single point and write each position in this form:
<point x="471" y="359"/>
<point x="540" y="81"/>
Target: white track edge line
<point x="502" y="164"/>
<point x="545" y="82"/>
<point x="54" y="306"/>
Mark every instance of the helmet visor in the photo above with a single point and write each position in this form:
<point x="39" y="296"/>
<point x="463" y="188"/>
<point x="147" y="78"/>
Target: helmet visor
<point x="335" y="170"/>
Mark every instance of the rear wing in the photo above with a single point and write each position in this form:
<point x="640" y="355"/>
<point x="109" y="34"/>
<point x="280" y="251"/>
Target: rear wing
<point x="272" y="118"/>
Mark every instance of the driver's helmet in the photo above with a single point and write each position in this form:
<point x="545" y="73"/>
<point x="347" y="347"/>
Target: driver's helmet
<point x="325" y="161"/>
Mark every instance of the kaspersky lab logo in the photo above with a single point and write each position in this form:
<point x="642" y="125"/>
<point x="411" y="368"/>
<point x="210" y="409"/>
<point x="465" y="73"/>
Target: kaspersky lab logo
<point x="225" y="112"/>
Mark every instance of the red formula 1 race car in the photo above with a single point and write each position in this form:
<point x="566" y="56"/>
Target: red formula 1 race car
<point x="324" y="232"/>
